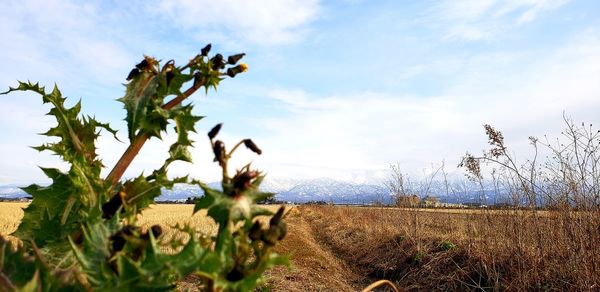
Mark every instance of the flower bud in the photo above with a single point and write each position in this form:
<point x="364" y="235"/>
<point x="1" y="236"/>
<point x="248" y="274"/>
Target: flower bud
<point x="133" y="73"/>
<point x="256" y="231"/>
<point x="168" y="69"/>
<point x="236" y="274"/>
<point x="197" y="79"/>
<point x="110" y="208"/>
<point x="277" y="217"/>
<point x="129" y="229"/>
<point x="205" y="50"/>
<point x="217" y="62"/>
<point x="143" y="64"/>
<point x="214" y="131"/>
<point x="156" y="230"/>
<point x="250" y="145"/>
<point x="231" y="72"/>
<point x="118" y="242"/>
<point x="219" y="150"/>
<point x="232" y="60"/>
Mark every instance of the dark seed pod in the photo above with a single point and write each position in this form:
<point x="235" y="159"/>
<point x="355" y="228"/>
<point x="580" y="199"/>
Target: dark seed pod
<point x="205" y="50"/>
<point x="270" y="237"/>
<point x="113" y="265"/>
<point x="118" y="242"/>
<point x="168" y="69"/>
<point x="219" y="150"/>
<point x="133" y="73"/>
<point x="129" y="229"/>
<point x="250" y="144"/>
<point x="217" y="62"/>
<point x="110" y="208"/>
<point x="233" y="59"/>
<point x="156" y="230"/>
<point x="78" y="237"/>
<point x="197" y="79"/>
<point x="143" y="64"/>
<point x="231" y="72"/>
<point x="169" y="76"/>
<point x="236" y="274"/>
<point x="277" y="217"/>
<point x="137" y="254"/>
<point x="214" y="131"/>
<point x="282" y="230"/>
<point x="256" y="231"/>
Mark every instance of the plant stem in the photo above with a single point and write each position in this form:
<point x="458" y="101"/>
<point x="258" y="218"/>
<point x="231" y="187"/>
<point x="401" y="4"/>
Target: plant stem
<point x="134" y="148"/>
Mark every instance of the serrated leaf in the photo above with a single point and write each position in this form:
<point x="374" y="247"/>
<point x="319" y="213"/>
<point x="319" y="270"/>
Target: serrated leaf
<point x="138" y="96"/>
<point x="140" y="193"/>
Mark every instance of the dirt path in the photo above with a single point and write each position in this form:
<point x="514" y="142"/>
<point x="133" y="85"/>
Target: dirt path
<point x="315" y="268"/>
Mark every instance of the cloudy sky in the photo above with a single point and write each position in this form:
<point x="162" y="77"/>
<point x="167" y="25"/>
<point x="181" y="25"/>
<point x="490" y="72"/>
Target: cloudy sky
<point x="336" y="89"/>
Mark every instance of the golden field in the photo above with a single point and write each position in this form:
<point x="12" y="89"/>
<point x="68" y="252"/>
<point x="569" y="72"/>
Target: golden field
<point x="346" y="248"/>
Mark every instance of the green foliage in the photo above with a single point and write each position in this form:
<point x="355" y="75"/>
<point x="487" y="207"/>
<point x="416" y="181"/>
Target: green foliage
<point x="81" y="232"/>
<point x="447" y="245"/>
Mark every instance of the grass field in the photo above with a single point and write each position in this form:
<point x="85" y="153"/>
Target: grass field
<point x="346" y="248"/>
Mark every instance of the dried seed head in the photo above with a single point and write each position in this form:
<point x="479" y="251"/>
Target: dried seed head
<point x="472" y="165"/>
<point x="233" y="59"/>
<point x="243" y="179"/>
<point x="214" y="131"/>
<point x="205" y="50"/>
<point x="495" y="137"/>
<point x="250" y="145"/>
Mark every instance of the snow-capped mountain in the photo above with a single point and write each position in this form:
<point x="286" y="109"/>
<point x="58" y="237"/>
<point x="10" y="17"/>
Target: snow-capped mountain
<point x="329" y="190"/>
<point x="11" y="192"/>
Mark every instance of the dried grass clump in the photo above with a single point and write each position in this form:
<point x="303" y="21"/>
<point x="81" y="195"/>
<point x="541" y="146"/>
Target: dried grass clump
<point x="498" y="250"/>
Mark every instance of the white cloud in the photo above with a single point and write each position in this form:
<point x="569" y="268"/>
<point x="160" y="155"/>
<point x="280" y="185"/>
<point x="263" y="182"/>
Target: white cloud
<point x="350" y="135"/>
<point x="263" y="22"/>
<point x="473" y="20"/>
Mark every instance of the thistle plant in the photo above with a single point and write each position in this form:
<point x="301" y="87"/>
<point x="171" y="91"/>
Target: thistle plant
<point x="81" y="233"/>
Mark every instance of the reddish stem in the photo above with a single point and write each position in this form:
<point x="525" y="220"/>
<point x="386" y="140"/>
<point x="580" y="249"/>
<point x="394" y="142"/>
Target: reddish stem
<point x="134" y="148"/>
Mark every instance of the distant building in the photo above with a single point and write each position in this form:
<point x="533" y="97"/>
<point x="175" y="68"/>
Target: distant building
<point x="409" y="201"/>
<point x="430" y="202"/>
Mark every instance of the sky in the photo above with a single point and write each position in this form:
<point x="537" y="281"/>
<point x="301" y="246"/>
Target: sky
<point x="335" y="89"/>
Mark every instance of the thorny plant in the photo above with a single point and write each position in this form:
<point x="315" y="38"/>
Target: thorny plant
<point x="80" y="233"/>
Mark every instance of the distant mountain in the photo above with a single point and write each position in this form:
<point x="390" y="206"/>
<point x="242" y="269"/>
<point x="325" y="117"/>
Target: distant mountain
<point x="11" y="192"/>
<point x="323" y="189"/>
<point x="297" y="191"/>
<point x="334" y="191"/>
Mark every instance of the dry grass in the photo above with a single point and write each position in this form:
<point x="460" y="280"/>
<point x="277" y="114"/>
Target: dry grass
<point x="493" y="250"/>
<point x="346" y="248"/>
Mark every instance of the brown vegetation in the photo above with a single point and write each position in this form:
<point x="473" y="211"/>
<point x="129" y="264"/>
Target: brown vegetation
<point x="500" y="250"/>
<point x="346" y="248"/>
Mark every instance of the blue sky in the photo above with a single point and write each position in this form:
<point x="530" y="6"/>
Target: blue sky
<point x="336" y="89"/>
